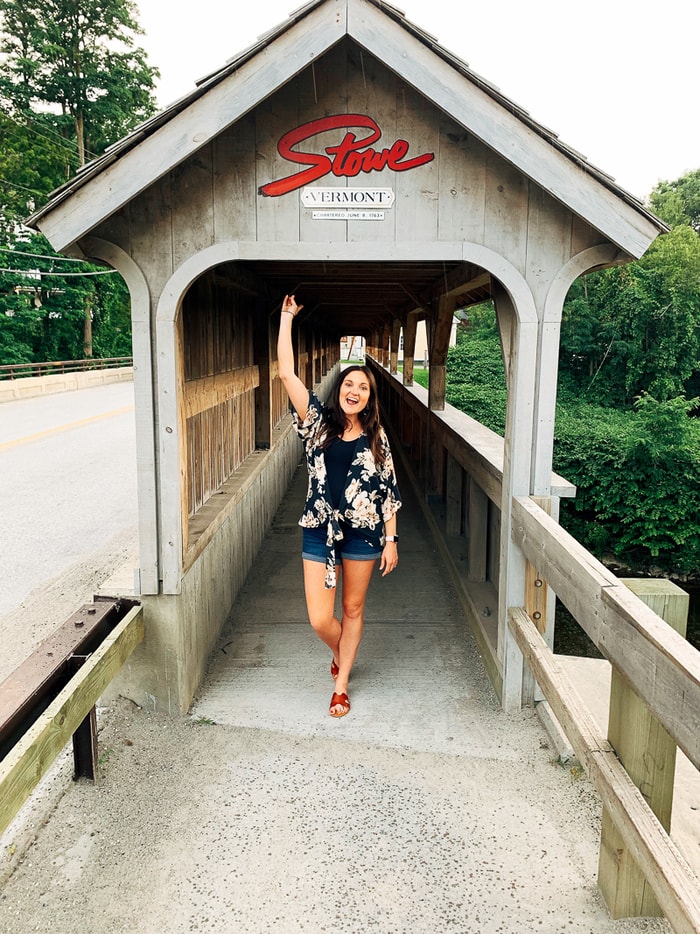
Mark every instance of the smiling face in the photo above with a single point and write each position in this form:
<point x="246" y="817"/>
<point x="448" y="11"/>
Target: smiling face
<point x="354" y="392"/>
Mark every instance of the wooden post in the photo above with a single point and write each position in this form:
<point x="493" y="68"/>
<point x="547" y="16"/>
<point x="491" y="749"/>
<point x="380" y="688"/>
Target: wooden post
<point x="649" y="756"/>
<point x="385" y="337"/>
<point x="535" y="604"/>
<point x="453" y="498"/>
<point x="478" y="532"/>
<point x="395" y="339"/>
<point x="262" y="354"/>
<point x="409" y="347"/>
<point x="439" y="345"/>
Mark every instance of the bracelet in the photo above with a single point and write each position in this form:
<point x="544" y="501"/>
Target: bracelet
<point x="391" y="538"/>
<point x="288" y="313"/>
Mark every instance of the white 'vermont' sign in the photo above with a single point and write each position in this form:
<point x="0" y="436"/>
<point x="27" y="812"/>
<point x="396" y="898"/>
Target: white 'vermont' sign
<point x="348" y="198"/>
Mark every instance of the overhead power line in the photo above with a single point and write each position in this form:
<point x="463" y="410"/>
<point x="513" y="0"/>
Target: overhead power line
<point x="58" y="259"/>
<point x="60" y="275"/>
<point x="32" y="191"/>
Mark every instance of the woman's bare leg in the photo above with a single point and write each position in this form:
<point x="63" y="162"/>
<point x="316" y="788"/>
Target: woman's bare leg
<point x="356" y="578"/>
<point x="320" y="605"/>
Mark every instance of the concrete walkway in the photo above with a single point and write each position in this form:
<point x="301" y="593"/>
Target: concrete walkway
<point x="426" y="809"/>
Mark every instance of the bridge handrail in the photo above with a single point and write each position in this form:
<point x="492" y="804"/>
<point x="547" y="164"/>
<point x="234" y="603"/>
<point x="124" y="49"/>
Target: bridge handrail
<point x="671" y="879"/>
<point x="20" y="370"/>
<point x="477" y="449"/>
<point x="660" y="665"/>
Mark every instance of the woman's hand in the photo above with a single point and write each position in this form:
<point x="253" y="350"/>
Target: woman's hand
<point x="390" y="558"/>
<point x="290" y="307"/>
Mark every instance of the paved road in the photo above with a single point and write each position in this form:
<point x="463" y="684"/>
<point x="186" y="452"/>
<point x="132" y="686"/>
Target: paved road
<point x="67" y="485"/>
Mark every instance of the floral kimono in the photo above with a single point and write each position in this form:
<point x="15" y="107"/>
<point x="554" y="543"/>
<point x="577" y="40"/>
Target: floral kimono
<point x="371" y="495"/>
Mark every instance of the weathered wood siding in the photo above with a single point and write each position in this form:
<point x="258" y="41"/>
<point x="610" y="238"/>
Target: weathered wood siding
<point x="219" y="384"/>
<point x="467" y="193"/>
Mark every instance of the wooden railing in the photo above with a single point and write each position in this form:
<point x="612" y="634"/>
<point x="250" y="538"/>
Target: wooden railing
<point x="43" y="704"/>
<point x="19" y="370"/>
<point x="456" y="466"/>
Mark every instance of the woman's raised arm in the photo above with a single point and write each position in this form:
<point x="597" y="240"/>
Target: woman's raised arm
<point x="296" y="390"/>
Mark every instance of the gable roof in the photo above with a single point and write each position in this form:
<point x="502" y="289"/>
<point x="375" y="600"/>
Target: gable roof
<point x="221" y="98"/>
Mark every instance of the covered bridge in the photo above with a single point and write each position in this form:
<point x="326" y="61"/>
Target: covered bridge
<point x="349" y="158"/>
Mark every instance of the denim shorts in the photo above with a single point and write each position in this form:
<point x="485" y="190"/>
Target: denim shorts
<point x="352" y="546"/>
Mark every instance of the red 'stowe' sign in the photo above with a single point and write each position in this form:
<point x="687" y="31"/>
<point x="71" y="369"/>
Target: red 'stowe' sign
<point x="346" y="160"/>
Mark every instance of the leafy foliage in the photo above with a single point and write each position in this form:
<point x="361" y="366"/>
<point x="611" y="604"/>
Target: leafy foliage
<point x="73" y="82"/>
<point x="37" y="155"/>
<point x="637" y="328"/>
<point x="638" y="482"/>
<point x="80" y="58"/>
<point x="476" y="382"/>
<point x="678" y="203"/>
<point x="45" y="310"/>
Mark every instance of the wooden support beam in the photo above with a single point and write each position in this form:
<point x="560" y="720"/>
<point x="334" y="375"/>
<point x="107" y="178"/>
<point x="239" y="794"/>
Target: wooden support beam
<point x="536" y="601"/>
<point x="453" y="498"/>
<point x="649" y="756"/>
<point x="262" y="355"/>
<point x="395" y="339"/>
<point x="439" y="344"/>
<point x="668" y="873"/>
<point x="409" y="347"/>
<point x="385" y="338"/>
<point x="478" y="532"/>
<point x="459" y="280"/>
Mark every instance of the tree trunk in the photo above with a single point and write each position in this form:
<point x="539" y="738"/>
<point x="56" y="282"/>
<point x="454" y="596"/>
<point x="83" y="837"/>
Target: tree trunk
<point x="87" y="330"/>
<point x="80" y="136"/>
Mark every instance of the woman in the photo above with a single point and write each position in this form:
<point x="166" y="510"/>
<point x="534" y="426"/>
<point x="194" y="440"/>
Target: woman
<point x="350" y="511"/>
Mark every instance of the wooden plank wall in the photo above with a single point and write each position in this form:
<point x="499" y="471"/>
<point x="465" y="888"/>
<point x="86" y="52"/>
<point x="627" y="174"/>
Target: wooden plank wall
<point x="219" y="389"/>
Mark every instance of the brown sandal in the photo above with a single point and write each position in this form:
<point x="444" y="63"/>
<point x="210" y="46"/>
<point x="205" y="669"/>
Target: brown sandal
<point x="339" y="700"/>
<point x="334" y="669"/>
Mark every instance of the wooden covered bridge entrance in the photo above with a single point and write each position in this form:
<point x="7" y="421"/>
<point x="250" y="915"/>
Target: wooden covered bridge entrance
<point x="350" y="159"/>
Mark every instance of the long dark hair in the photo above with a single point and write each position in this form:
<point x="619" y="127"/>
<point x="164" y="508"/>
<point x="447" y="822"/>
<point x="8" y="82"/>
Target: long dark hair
<point x="335" y="421"/>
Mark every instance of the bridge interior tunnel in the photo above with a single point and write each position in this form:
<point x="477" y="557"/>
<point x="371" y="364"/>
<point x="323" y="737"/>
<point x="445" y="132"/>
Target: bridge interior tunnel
<point x="228" y="333"/>
<point x="236" y="451"/>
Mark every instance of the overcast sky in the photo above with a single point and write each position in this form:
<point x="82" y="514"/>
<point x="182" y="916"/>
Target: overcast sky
<point x="616" y="79"/>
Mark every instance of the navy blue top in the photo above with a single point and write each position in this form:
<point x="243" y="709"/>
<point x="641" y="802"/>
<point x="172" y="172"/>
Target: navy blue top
<point x="339" y="455"/>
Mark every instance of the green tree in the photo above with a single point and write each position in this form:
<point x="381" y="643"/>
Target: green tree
<point x="679" y="202"/>
<point x="475" y="379"/>
<point x="638" y="482"/>
<point x="49" y="305"/>
<point x="636" y="328"/>
<point x="36" y="156"/>
<point x="73" y="83"/>
<point x="82" y="58"/>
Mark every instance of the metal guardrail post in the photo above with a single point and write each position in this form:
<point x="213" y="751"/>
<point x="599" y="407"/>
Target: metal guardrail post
<point x="85" y="750"/>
